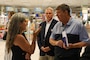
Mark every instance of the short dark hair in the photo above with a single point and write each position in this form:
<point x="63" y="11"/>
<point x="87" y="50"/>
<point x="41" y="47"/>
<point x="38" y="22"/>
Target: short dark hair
<point x="64" y="7"/>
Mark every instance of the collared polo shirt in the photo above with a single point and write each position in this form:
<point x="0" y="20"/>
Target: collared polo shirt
<point x="72" y="27"/>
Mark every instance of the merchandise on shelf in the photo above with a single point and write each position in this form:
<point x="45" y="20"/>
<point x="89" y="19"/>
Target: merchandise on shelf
<point x="3" y="21"/>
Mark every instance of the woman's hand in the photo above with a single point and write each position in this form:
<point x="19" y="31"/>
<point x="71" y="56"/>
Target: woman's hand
<point x="36" y="33"/>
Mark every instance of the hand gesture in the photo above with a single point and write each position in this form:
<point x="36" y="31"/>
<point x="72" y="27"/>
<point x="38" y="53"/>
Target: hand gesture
<point x="36" y="33"/>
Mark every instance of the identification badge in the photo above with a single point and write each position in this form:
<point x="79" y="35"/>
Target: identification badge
<point x="64" y="38"/>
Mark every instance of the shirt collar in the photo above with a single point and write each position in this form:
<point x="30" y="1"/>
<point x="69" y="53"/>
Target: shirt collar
<point x="49" y="21"/>
<point x="70" y="21"/>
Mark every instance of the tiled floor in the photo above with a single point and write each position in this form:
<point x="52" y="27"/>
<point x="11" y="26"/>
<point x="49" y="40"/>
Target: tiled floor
<point x="2" y="47"/>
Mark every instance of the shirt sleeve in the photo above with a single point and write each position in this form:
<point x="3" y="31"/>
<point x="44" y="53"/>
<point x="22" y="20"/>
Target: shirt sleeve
<point x="83" y="34"/>
<point x="56" y="30"/>
<point x="53" y="32"/>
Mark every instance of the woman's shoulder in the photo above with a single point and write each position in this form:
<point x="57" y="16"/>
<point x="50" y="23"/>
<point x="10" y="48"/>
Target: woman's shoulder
<point x="19" y="35"/>
<point x="18" y="39"/>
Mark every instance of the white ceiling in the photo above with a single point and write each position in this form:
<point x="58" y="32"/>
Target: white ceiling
<point x="44" y="3"/>
<point x="75" y="4"/>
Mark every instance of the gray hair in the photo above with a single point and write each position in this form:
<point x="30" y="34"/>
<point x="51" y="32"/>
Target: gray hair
<point x="14" y="28"/>
<point x="50" y="8"/>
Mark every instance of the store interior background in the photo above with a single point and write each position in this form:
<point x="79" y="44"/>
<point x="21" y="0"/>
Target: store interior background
<point x="34" y="9"/>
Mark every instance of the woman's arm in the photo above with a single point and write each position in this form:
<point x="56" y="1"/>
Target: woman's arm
<point x="24" y="44"/>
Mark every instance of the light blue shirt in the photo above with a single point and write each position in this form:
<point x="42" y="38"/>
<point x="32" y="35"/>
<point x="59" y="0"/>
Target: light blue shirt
<point x="72" y="27"/>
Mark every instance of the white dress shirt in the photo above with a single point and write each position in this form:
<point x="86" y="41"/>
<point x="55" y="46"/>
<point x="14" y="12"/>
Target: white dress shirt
<point x="47" y="27"/>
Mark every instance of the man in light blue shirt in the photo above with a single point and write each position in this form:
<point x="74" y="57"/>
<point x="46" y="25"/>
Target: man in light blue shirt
<point x="76" y="34"/>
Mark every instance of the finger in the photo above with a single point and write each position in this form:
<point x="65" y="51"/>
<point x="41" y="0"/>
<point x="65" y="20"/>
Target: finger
<point x="38" y="30"/>
<point x="65" y="47"/>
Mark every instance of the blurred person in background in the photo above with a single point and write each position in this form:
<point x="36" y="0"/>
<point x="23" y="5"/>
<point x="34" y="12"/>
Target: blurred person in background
<point x="46" y="49"/>
<point x="76" y="33"/>
<point x="10" y="13"/>
<point x="16" y="41"/>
